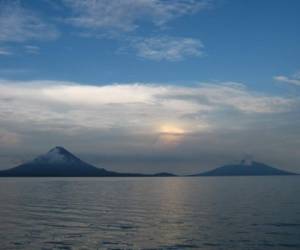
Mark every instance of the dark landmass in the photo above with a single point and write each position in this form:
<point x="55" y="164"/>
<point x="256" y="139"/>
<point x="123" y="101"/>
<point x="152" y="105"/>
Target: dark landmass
<point x="59" y="162"/>
<point x="245" y="169"/>
<point x="164" y="174"/>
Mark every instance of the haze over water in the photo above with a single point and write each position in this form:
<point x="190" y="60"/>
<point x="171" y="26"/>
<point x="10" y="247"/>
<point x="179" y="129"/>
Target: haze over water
<point x="150" y="213"/>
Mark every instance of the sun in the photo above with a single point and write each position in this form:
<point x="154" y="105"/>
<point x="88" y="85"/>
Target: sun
<point x="171" y="129"/>
<point x="170" y="135"/>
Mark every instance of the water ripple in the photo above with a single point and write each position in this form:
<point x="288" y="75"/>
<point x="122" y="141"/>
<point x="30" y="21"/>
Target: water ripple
<point x="143" y="213"/>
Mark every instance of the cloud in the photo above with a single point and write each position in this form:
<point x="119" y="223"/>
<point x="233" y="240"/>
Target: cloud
<point x="144" y="107"/>
<point x="32" y="49"/>
<point x="5" y="52"/>
<point x="9" y="72"/>
<point x="18" y="24"/>
<point x="110" y="18"/>
<point x="101" y="18"/>
<point x="294" y="80"/>
<point x="167" y="48"/>
<point x="8" y="138"/>
<point x="124" y="15"/>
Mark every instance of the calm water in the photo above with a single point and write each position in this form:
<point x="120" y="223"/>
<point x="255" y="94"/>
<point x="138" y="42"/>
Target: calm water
<point x="150" y="213"/>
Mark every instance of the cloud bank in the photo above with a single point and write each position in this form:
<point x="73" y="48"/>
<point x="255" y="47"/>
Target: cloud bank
<point x="138" y="104"/>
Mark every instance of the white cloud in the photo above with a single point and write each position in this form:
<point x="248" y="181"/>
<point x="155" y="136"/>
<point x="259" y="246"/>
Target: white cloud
<point x="124" y="15"/>
<point x="135" y="107"/>
<point x="237" y="96"/>
<point x="18" y="24"/>
<point x="295" y="79"/>
<point x="167" y="48"/>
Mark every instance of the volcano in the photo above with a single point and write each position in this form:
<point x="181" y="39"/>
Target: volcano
<point x="61" y="163"/>
<point x="245" y="168"/>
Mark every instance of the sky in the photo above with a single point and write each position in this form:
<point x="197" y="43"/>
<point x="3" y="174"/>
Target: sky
<point x="151" y="85"/>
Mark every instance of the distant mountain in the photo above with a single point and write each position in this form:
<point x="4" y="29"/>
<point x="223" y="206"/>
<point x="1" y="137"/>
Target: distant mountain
<point x="164" y="174"/>
<point x="60" y="162"/>
<point x="245" y="168"/>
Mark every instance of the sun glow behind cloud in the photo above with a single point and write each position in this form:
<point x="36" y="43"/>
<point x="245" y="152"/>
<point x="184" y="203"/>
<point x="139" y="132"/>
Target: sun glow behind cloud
<point x="170" y="135"/>
<point x="135" y="107"/>
<point x="171" y="129"/>
<point x="138" y="108"/>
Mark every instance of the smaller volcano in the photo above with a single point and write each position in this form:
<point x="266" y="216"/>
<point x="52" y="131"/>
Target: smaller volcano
<point x="245" y="168"/>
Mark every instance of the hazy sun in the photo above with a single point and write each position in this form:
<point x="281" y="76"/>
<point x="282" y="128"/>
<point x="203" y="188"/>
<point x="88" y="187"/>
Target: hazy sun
<point x="170" y="135"/>
<point x="171" y="129"/>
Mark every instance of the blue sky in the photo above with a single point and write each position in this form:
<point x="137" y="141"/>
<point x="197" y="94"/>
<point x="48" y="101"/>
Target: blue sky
<point x="178" y="56"/>
<point x="242" y="41"/>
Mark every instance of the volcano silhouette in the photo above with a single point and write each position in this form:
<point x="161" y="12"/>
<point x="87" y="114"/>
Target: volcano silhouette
<point x="245" y="168"/>
<point x="59" y="162"/>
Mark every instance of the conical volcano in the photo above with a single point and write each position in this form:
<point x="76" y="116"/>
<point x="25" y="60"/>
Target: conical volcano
<point x="58" y="162"/>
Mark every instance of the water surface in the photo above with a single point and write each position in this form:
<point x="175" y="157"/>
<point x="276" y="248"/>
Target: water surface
<point x="150" y="213"/>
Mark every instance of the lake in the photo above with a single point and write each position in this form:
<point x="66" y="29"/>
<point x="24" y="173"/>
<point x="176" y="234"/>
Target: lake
<point x="150" y="213"/>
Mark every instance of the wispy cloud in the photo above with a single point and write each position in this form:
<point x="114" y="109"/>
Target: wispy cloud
<point x="32" y="49"/>
<point x="125" y="15"/>
<point x="167" y="48"/>
<point x="5" y="51"/>
<point x="18" y="24"/>
<point x="8" y="72"/>
<point x="294" y="80"/>
<point x="106" y="18"/>
<point x="113" y="17"/>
